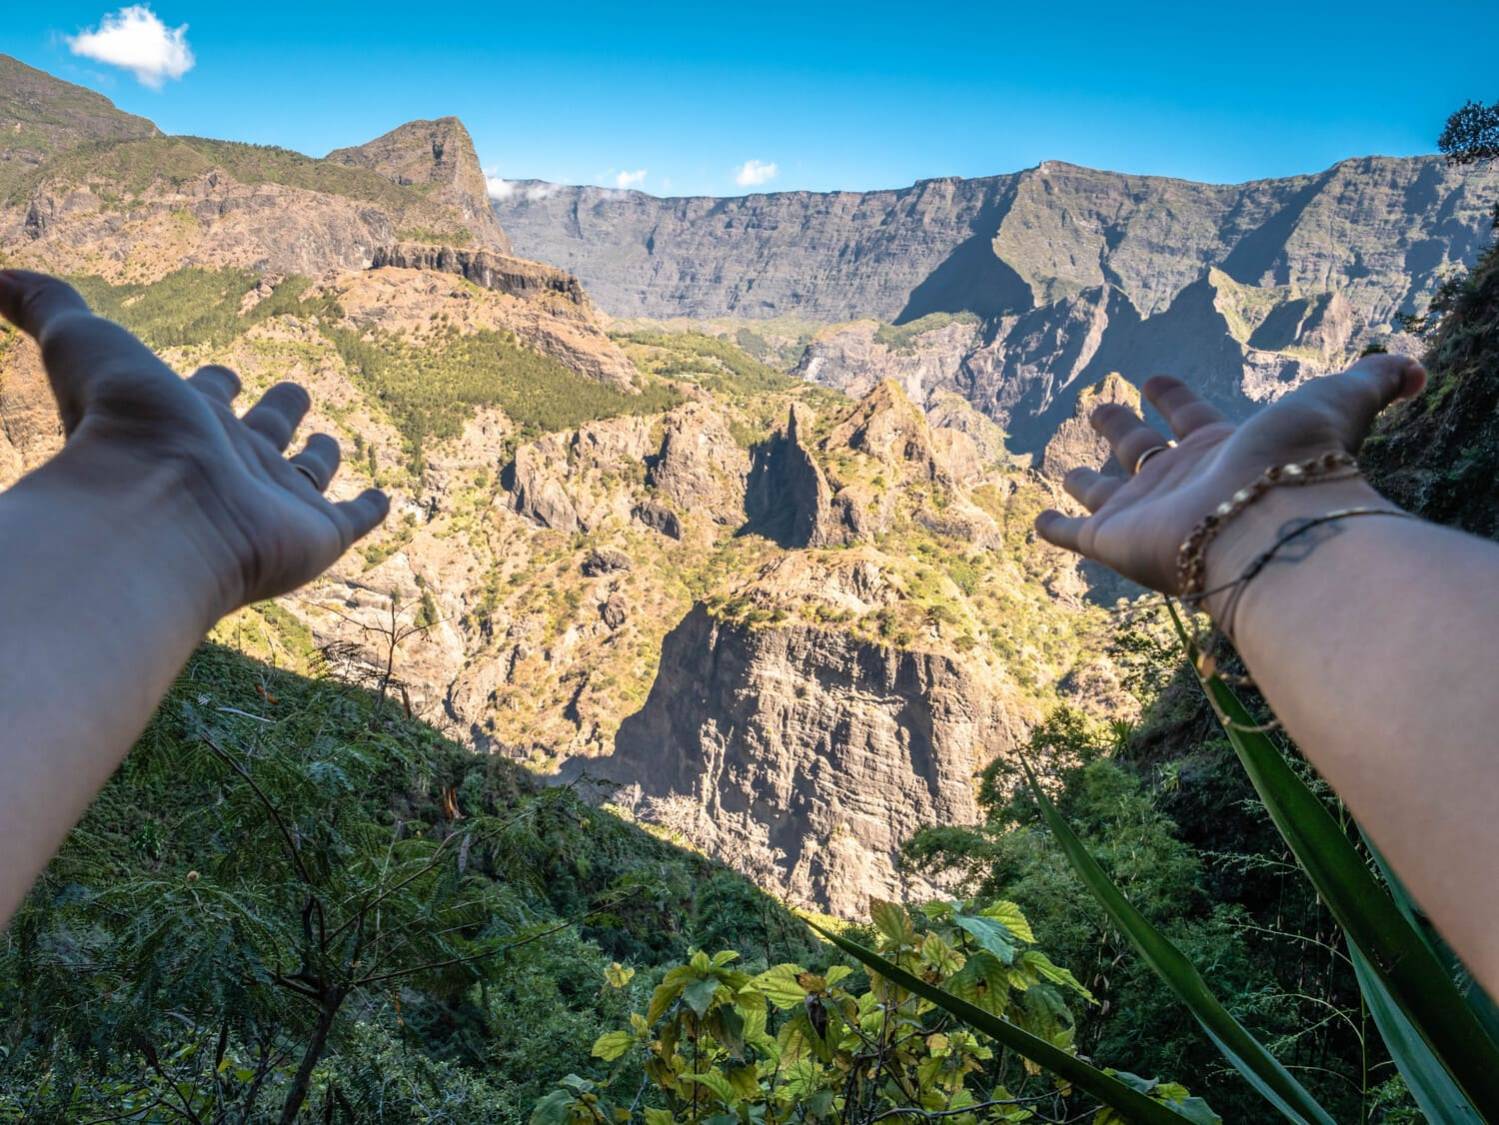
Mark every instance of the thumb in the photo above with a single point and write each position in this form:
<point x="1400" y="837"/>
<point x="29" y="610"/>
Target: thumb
<point x="1356" y="396"/>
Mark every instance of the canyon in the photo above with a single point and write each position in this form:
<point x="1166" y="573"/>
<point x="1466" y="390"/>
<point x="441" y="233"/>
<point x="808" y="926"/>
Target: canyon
<point x="718" y="509"/>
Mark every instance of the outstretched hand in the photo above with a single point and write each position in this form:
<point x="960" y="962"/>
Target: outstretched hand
<point x="258" y="520"/>
<point x="1138" y="523"/>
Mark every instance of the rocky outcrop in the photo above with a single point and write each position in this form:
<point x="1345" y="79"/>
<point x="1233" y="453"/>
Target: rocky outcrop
<point x="925" y="358"/>
<point x="787" y="497"/>
<point x="484" y="268"/>
<point x="1076" y="444"/>
<point x="804" y="757"/>
<point x="439" y="157"/>
<point x="700" y="466"/>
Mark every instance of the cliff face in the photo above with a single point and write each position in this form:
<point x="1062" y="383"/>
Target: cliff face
<point x="438" y="156"/>
<point x="803" y="756"/>
<point x="1070" y="273"/>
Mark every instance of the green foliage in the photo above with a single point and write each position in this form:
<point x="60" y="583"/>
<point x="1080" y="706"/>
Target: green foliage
<point x="431" y="390"/>
<point x="289" y="893"/>
<point x="126" y="169"/>
<point x="1471" y="135"/>
<point x="902" y="337"/>
<point x="197" y="306"/>
<point x="1258" y="1066"/>
<point x="714" y="362"/>
<point x="719" y="1043"/>
<point x="1439" y="1032"/>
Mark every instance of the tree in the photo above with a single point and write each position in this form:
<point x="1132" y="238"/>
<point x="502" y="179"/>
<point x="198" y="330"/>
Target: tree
<point x="1472" y="134"/>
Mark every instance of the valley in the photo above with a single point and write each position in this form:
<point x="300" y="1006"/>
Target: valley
<point x="737" y="530"/>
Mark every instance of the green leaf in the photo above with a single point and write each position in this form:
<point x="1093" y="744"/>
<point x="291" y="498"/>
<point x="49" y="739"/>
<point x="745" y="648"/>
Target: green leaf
<point x="1008" y="915"/>
<point x="780" y="986"/>
<point x="1135" y="1106"/>
<point x="612" y="1045"/>
<point x="554" y="1109"/>
<point x="1416" y="982"/>
<point x="658" y="1117"/>
<point x="990" y="935"/>
<point x="1246" y="1053"/>
<point x="1429" y="1083"/>
<point x="1044" y="967"/>
<point x="715" y="1081"/>
<point x="891" y="920"/>
<point x="836" y="974"/>
<point x="699" y="995"/>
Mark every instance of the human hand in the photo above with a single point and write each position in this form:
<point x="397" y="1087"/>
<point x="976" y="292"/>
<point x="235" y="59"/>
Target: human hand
<point x="250" y="522"/>
<point x="1137" y="525"/>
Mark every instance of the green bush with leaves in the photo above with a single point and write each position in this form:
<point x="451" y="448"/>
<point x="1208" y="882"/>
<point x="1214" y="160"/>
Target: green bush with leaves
<point x="718" y="1044"/>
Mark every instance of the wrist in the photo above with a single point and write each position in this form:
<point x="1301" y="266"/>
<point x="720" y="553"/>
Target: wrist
<point x="1243" y="542"/>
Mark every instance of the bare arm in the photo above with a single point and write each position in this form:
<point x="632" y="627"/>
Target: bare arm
<point x="163" y="512"/>
<point x="1375" y="640"/>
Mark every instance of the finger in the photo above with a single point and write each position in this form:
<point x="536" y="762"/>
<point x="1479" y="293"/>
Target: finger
<point x="278" y="413"/>
<point x="1360" y="393"/>
<point x="33" y="301"/>
<point x="215" y="382"/>
<point x="81" y="352"/>
<point x="319" y="457"/>
<point x="1060" y="530"/>
<point x="1090" y="488"/>
<point x="363" y="514"/>
<point x="1181" y="406"/>
<point x="1126" y="434"/>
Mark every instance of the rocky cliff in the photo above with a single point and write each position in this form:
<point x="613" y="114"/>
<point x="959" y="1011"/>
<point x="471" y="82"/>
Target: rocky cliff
<point x="805" y="756"/>
<point x="1062" y="273"/>
<point x="438" y="157"/>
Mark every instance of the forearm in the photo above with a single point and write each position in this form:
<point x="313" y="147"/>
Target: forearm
<point x="1375" y="640"/>
<point x="102" y="599"/>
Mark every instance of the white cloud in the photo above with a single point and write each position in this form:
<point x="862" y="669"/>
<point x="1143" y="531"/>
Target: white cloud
<point x="500" y="188"/>
<point x="135" y="39"/>
<point x="752" y="173"/>
<point x="630" y="179"/>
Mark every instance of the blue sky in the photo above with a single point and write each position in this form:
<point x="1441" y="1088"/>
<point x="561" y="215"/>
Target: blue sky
<point x="852" y="96"/>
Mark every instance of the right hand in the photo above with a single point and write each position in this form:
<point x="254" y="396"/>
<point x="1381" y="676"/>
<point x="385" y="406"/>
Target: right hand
<point x="1137" y="525"/>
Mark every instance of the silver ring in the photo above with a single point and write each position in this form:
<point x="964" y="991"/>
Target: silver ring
<point x="1149" y="453"/>
<point x="306" y="472"/>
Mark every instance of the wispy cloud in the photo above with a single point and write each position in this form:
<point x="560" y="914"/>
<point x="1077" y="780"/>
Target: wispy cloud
<point x="753" y="173"/>
<point x="135" y="39"/>
<point x="499" y="188"/>
<point x="630" y="179"/>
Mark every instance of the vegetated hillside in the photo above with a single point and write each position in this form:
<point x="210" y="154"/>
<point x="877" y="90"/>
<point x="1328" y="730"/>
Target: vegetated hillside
<point x="1065" y="273"/>
<point x="175" y="960"/>
<point x="44" y="116"/>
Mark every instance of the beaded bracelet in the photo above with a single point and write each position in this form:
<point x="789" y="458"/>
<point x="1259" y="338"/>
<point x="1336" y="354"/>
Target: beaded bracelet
<point x="1191" y="558"/>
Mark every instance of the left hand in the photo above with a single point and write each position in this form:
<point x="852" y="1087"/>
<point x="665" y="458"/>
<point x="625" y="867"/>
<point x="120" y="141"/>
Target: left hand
<point x="256" y="521"/>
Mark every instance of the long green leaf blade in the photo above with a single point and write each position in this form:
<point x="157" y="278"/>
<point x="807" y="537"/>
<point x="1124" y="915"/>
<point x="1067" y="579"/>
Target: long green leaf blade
<point x="1418" y="984"/>
<point x="1247" y="1054"/>
<point x="1429" y="1083"/>
<point x="1107" y="1089"/>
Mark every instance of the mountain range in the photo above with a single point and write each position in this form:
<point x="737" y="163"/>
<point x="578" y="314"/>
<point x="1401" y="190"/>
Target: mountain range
<point x="1057" y="274"/>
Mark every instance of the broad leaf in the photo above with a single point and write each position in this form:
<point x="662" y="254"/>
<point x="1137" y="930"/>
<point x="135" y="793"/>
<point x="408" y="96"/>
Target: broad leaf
<point x="1134" y="1106"/>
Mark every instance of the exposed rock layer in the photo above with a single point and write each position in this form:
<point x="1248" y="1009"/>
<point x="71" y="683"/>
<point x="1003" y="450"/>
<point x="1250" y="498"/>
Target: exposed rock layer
<point x="803" y="756"/>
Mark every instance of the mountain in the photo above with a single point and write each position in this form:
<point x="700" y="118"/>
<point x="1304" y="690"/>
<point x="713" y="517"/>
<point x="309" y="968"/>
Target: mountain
<point x="1061" y="273"/>
<point x="437" y="157"/>
<point x="42" y="115"/>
